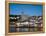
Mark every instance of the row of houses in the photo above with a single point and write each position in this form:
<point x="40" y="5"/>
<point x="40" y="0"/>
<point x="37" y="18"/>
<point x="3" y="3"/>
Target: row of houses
<point x="23" y="20"/>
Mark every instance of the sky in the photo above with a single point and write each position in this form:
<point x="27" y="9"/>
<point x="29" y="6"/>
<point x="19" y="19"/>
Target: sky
<point x="28" y="9"/>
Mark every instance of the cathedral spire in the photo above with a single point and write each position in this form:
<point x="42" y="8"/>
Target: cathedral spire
<point x="22" y="13"/>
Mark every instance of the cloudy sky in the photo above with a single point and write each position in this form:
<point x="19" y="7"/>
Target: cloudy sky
<point x="28" y="9"/>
